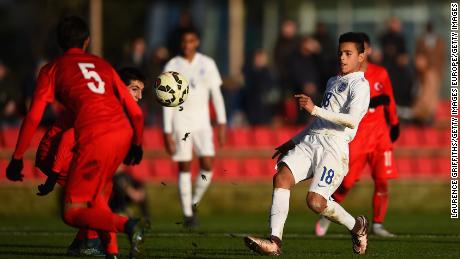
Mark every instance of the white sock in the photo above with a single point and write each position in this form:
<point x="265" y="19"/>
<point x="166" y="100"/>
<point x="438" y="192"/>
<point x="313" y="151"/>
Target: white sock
<point x="336" y="213"/>
<point x="203" y="180"/>
<point x="279" y="211"/>
<point x="185" y="193"/>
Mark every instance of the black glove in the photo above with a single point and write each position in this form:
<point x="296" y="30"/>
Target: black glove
<point x="48" y="186"/>
<point x="134" y="155"/>
<point x="14" y="170"/>
<point x="283" y="149"/>
<point x="382" y="99"/>
<point x="394" y="132"/>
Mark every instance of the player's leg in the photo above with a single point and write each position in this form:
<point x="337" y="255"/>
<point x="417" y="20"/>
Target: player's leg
<point x="329" y="173"/>
<point x="203" y="180"/>
<point x="382" y="169"/>
<point x="357" y="162"/>
<point x="87" y="178"/>
<point x="183" y="156"/>
<point x="291" y="169"/>
<point x="204" y="147"/>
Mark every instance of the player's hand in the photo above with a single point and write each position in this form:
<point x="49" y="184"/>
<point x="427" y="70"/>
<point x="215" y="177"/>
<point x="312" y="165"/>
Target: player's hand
<point x="283" y="149"/>
<point x="305" y="102"/>
<point x="14" y="170"/>
<point x="48" y="186"/>
<point x="170" y="144"/>
<point x="222" y="134"/>
<point x="394" y="132"/>
<point x="382" y="99"/>
<point x="134" y="155"/>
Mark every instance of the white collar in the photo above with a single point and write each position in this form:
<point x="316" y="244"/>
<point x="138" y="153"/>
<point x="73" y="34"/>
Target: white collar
<point x="194" y="60"/>
<point x="352" y="75"/>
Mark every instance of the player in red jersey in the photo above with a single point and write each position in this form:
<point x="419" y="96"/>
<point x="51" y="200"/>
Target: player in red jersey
<point x="372" y="145"/>
<point x="53" y="158"/>
<point x="97" y="99"/>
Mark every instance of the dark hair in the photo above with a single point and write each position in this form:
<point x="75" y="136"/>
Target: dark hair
<point x="128" y="74"/>
<point x="355" y="38"/>
<point x="72" y="31"/>
<point x="190" y="30"/>
<point x="365" y="38"/>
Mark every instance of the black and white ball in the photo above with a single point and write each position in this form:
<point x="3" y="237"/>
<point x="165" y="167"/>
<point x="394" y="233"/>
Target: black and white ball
<point x="171" y="89"/>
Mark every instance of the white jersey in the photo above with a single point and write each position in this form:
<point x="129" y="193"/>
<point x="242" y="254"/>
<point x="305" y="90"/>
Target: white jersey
<point x="204" y="82"/>
<point x="344" y="104"/>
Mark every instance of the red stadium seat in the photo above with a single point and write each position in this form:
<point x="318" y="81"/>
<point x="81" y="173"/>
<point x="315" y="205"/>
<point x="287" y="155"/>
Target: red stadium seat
<point x="227" y="169"/>
<point x="405" y="166"/>
<point x="240" y="137"/>
<point x="264" y="137"/>
<point x="409" y="137"/>
<point x="153" y="138"/>
<point x="163" y="169"/>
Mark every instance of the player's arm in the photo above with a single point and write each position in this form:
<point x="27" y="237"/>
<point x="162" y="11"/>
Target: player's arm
<point x="390" y="109"/>
<point x="136" y="117"/>
<point x="43" y="95"/>
<point x="359" y="95"/>
<point x="62" y="156"/>
<point x="218" y="101"/>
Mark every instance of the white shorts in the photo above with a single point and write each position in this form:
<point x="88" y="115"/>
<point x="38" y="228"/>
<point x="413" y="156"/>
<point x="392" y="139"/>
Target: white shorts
<point x="200" y="141"/>
<point x="321" y="157"/>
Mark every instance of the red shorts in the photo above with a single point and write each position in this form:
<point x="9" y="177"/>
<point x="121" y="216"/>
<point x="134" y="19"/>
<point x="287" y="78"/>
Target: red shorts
<point x="96" y="159"/>
<point x="373" y="147"/>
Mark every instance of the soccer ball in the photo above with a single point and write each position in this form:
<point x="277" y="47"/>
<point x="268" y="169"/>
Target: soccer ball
<point x="171" y="89"/>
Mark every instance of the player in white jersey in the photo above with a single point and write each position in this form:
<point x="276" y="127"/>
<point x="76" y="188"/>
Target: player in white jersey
<point x="321" y="151"/>
<point x="187" y="128"/>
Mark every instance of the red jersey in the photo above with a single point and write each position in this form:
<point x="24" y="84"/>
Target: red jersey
<point x="91" y="91"/>
<point x="379" y="83"/>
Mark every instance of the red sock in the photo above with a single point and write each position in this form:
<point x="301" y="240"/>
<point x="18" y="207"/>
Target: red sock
<point x="95" y="218"/>
<point x="110" y="239"/>
<point x="380" y="200"/>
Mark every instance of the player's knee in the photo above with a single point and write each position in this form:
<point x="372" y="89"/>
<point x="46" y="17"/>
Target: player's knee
<point x="316" y="202"/>
<point x="283" y="179"/>
<point x="381" y="185"/>
<point x="206" y="163"/>
<point x="184" y="166"/>
<point x="69" y="216"/>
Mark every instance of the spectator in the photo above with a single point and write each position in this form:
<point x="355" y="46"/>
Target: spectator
<point x="152" y="109"/>
<point x="135" y="56"/>
<point x="428" y="85"/>
<point x="174" y="38"/>
<point x="260" y="93"/>
<point x="396" y="60"/>
<point x="327" y="55"/>
<point x="304" y="72"/>
<point x="8" y="98"/>
<point x="285" y="47"/>
<point x="51" y="111"/>
<point x="429" y="63"/>
<point x="431" y="46"/>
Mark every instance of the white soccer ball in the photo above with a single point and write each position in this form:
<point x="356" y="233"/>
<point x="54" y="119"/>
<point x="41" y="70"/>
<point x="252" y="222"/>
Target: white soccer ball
<point x="171" y="89"/>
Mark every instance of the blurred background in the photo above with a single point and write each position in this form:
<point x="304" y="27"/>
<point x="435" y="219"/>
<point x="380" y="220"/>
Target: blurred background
<point x="266" y="50"/>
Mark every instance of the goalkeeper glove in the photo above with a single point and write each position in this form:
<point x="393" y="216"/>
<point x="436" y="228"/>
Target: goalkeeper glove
<point x="48" y="186"/>
<point x="394" y="132"/>
<point x="382" y="99"/>
<point x="134" y="155"/>
<point x="14" y="170"/>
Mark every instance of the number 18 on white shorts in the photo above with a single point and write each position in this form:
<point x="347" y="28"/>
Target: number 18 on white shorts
<point x="325" y="159"/>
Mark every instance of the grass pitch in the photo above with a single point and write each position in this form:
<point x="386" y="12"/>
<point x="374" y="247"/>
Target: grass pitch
<point x="423" y="231"/>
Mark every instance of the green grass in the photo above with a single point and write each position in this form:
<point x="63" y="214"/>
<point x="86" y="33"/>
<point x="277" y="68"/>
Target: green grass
<point x="418" y="214"/>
